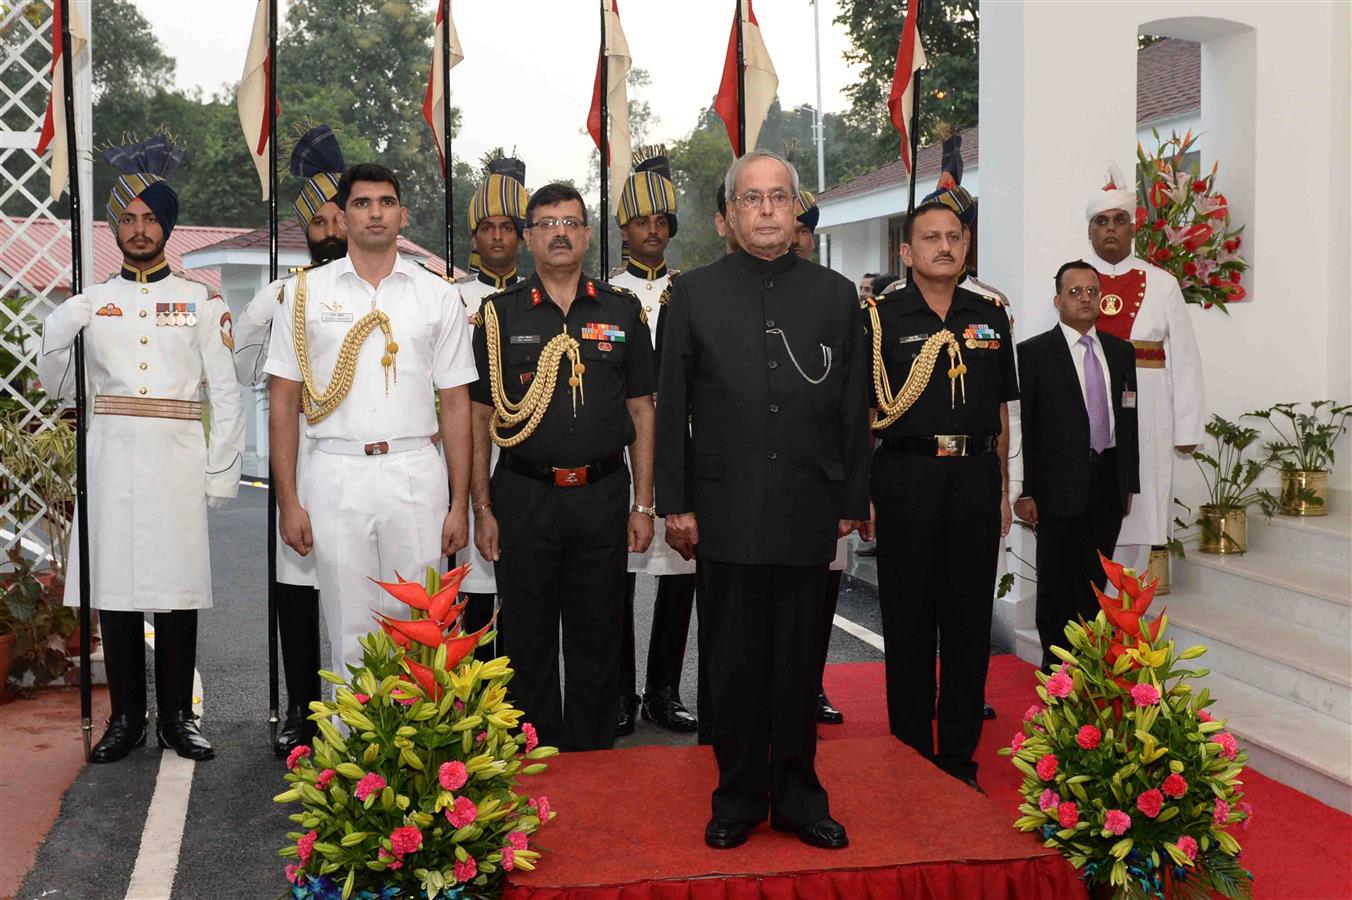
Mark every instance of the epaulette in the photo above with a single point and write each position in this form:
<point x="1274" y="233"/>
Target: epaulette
<point x="195" y="281"/>
<point x="466" y="278"/>
<point x="307" y="267"/>
<point x="666" y="291"/>
<point x="615" y="272"/>
<point x="999" y="299"/>
<point x="623" y="292"/>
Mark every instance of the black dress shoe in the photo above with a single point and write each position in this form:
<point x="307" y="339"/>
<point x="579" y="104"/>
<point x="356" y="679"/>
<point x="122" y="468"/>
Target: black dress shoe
<point x="987" y="711"/>
<point x="297" y="730"/>
<point x="826" y="833"/>
<point x="971" y="783"/>
<point x="664" y="709"/>
<point x="826" y="713"/>
<point x="124" y="733"/>
<point x="624" y="723"/>
<point x="182" y="735"/>
<point x="723" y="833"/>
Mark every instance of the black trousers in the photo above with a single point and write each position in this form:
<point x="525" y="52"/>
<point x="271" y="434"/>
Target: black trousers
<point x="833" y="579"/>
<point x="666" y="643"/>
<point x="479" y="610"/>
<point x="1067" y="558"/>
<point x="762" y="640"/>
<point x="938" y="546"/>
<point x="563" y="556"/>
<point x="298" y="638"/>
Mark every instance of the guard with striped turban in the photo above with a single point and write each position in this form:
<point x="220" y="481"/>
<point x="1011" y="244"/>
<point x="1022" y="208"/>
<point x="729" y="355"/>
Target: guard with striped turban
<point x="318" y="159"/>
<point x="151" y="340"/>
<point x="806" y="211"/>
<point x="497" y="215"/>
<point x="647" y="220"/>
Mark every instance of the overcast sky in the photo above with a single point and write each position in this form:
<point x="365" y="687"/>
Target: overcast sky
<point x="681" y="44"/>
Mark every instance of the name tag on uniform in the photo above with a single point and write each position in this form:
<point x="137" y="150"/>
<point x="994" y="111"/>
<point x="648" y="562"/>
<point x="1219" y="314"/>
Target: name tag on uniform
<point x="1128" y="399"/>
<point x="525" y="339"/>
<point x="913" y="338"/>
<point x="335" y="317"/>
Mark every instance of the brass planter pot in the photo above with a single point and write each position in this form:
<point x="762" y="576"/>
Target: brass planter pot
<point x="1224" y="531"/>
<point x="1294" y="481"/>
<point x="1159" y="569"/>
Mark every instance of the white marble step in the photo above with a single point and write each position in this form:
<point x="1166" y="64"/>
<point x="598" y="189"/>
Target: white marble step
<point x="1299" y="747"/>
<point x="1325" y="541"/>
<point x="1298" y="664"/>
<point x="1270" y="582"/>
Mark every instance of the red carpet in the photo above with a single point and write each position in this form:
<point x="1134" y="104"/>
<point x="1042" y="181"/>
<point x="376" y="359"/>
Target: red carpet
<point x="631" y="826"/>
<point x="1297" y="847"/>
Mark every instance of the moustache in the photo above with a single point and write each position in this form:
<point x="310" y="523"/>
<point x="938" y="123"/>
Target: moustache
<point x="561" y="242"/>
<point x="943" y="256"/>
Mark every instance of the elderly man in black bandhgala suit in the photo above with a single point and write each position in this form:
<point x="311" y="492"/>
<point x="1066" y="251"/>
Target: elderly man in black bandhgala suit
<point x="763" y="356"/>
<point x="1082" y="465"/>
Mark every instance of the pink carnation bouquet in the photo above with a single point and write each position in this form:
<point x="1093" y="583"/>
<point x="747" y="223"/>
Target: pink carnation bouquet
<point x="418" y="793"/>
<point x="1124" y="770"/>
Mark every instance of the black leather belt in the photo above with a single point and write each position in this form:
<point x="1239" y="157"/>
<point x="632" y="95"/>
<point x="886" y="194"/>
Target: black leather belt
<point x="563" y="477"/>
<point x="942" y="444"/>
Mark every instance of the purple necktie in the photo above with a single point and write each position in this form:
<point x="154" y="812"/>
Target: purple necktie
<point x="1096" y="398"/>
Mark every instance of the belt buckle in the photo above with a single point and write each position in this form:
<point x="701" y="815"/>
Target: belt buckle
<point x="570" y="477"/>
<point x="950" y="445"/>
<point x="379" y="448"/>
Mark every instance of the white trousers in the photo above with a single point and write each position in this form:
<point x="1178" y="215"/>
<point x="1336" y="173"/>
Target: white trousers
<point x="372" y="516"/>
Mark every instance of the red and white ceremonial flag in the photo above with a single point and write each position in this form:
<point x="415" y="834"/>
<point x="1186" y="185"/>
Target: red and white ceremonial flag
<point x="616" y="59"/>
<point x="759" y="80"/>
<point x="434" y="109"/>
<point x="901" y="101"/>
<point x="254" y="90"/>
<point x="54" y="121"/>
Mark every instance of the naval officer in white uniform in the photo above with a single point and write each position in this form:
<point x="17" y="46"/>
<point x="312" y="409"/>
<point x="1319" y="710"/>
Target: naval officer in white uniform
<point x="379" y="340"/>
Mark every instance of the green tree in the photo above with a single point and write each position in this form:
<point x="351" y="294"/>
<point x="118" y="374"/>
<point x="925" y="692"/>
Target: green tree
<point x="949" y="30"/>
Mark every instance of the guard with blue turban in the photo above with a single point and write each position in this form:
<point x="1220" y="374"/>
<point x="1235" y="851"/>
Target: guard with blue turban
<point x="152" y="340"/>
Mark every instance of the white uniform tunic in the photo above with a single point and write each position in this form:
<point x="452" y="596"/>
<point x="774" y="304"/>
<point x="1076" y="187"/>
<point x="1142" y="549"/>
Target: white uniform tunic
<point x="660" y="558"/>
<point x="1170" y="406"/>
<point x="473" y="289"/>
<point x="251" y="353"/>
<point x="374" y="515"/>
<point x="149" y="478"/>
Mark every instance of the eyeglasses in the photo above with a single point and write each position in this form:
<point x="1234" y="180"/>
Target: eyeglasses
<point x="755" y="199"/>
<point x="549" y="223"/>
<point x="1076" y="293"/>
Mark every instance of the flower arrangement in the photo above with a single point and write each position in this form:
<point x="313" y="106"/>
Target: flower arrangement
<point x="1125" y="771"/>
<point x="418" y="798"/>
<point x="1183" y="224"/>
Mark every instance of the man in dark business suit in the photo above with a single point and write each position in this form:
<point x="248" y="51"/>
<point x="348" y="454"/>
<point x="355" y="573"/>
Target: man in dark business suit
<point x="763" y="358"/>
<point x="1080" y="450"/>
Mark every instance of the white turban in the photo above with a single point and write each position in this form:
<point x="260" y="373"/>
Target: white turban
<point x="1116" y="194"/>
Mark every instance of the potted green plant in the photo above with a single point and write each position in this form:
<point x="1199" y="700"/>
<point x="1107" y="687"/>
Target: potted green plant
<point x="1303" y="454"/>
<point x="417" y="797"/>
<point x="38" y="480"/>
<point x="1221" y="524"/>
<point x="32" y="615"/>
<point x="1126" y="772"/>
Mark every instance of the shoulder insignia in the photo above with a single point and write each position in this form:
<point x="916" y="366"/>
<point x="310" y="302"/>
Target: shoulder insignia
<point x="614" y="289"/>
<point x="666" y="296"/>
<point x="466" y="278"/>
<point x="296" y="270"/>
<point x="422" y="264"/>
<point x="227" y="325"/>
<point x="672" y="273"/>
<point x="615" y="272"/>
<point x="642" y="314"/>
<point x="208" y="287"/>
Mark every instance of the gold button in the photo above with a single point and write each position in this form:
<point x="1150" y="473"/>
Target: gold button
<point x="145" y="290"/>
<point x="143" y="313"/>
<point x="144" y="339"/>
<point x="144" y="366"/>
<point x="143" y="390"/>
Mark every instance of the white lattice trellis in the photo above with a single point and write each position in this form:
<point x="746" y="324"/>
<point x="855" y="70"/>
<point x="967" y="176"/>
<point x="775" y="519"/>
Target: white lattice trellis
<point x="28" y="293"/>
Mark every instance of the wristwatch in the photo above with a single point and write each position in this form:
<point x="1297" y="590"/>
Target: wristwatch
<point x="649" y="511"/>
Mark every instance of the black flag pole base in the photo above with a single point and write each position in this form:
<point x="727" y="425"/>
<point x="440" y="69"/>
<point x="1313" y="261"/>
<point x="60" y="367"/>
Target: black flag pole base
<point x="87" y="729"/>
<point x="273" y="721"/>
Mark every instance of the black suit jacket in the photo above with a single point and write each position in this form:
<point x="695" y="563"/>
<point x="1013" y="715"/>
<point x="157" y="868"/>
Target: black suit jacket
<point x="773" y="461"/>
<point x="1056" y="423"/>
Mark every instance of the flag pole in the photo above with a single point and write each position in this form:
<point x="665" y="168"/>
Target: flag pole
<point x="605" y="152"/>
<point x="81" y="402"/>
<point x="741" y="87"/>
<point x="914" y="131"/>
<point x="446" y="121"/>
<point x="273" y="688"/>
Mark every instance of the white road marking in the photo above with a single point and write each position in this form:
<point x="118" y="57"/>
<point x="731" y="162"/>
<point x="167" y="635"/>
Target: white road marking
<point x="152" y="878"/>
<point x="873" y="639"/>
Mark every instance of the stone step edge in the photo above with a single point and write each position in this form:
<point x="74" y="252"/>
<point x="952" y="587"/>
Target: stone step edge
<point x="1219" y="627"/>
<point x="1251" y="566"/>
